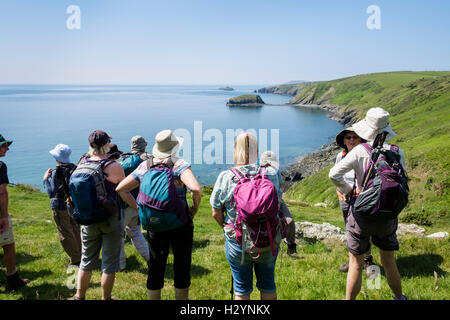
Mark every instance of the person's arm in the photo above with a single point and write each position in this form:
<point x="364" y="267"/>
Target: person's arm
<point x="188" y="178"/>
<point x="3" y="208"/>
<point x="337" y="173"/>
<point x="124" y="188"/>
<point x="49" y="186"/>
<point x="219" y="216"/>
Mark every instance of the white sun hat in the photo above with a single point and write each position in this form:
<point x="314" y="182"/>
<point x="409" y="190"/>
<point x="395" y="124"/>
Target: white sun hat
<point x="375" y="122"/>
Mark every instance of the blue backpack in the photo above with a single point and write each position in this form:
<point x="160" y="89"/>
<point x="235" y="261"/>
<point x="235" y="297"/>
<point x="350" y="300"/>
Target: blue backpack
<point x="160" y="207"/>
<point x="91" y="202"/>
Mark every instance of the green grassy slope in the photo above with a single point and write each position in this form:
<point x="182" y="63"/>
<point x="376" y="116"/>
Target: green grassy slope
<point x="419" y="104"/>
<point x="313" y="274"/>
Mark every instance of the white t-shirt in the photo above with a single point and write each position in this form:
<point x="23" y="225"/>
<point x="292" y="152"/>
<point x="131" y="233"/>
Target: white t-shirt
<point x="358" y="160"/>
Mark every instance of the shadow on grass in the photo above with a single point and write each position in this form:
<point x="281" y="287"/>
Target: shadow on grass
<point x="420" y="265"/>
<point x="133" y="264"/>
<point x="21" y="258"/>
<point x="200" y="244"/>
<point x="196" y="271"/>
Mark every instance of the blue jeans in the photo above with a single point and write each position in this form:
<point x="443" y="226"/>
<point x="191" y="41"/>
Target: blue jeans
<point x="243" y="274"/>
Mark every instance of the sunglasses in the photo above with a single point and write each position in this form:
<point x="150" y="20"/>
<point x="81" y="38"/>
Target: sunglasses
<point x="351" y="137"/>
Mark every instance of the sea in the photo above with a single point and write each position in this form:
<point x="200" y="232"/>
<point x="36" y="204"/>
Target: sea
<point x="38" y="117"/>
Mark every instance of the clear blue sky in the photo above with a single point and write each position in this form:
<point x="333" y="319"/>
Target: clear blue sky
<point x="217" y="41"/>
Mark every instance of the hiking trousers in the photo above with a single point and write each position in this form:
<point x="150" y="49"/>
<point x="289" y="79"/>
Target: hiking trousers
<point x="133" y="231"/>
<point x="290" y="230"/>
<point x="69" y="234"/>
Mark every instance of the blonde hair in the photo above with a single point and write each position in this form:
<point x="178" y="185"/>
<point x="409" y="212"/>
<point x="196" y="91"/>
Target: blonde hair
<point x="98" y="151"/>
<point x="245" y="149"/>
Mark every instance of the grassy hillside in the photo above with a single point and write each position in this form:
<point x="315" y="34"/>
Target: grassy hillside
<point x="419" y="104"/>
<point x="312" y="275"/>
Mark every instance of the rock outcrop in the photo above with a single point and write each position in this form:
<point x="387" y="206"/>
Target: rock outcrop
<point x="246" y="100"/>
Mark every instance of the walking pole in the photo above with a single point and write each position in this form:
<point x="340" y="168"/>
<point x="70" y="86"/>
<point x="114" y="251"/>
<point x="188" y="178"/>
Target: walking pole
<point x="232" y="287"/>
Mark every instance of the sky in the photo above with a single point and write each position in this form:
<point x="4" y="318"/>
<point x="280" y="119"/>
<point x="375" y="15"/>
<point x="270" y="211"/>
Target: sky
<point x="217" y="41"/>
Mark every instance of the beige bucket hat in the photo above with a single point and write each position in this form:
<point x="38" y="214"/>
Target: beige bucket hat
<point x="375" y="122"/>
<point x="167" y="144"/>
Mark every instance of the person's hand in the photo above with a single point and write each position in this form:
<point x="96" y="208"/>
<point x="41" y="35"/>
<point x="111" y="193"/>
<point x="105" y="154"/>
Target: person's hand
<point x="192" y="211"/>
<point x="357" y="192"/>
<point x="4" y="224"/>
<point x="47" y="174"/>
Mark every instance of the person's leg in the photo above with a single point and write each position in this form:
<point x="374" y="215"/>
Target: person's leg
<point x="265" y="276"/>
<point x="107" y="285"/>
<point x="154" y="294"/>
<point x="181" y="243"/>
<point x="9" y="256"/>
<point x="392" y="273"/>
<point x="159" y="251"/>
<point x="66" y="235"/>
<point x="138" y="240"/>
<point x="242" y="273"/>
<point x="354" y="276"/>
<point x="84" y="277"/>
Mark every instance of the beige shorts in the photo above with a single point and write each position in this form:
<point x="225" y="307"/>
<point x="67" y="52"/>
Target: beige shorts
<point x="7" y="237"/>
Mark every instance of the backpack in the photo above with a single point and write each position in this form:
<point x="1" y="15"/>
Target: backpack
<point x="160" y="207"/>
<point x="385" y="188"/>
<point x="91" y="202"/>
<point x="130" y="161"/>
<point x="62" y="177"/>
<point x="257" y="223"/>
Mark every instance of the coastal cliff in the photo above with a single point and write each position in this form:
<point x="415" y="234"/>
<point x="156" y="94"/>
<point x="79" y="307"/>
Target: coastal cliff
<point x="419" y="105"/>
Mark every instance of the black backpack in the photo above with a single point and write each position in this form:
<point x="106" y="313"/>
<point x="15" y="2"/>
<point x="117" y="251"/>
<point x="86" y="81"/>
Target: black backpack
<point x="62" y="176"/>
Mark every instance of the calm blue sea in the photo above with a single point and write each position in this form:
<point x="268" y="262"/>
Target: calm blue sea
<point x="37" y="117"/>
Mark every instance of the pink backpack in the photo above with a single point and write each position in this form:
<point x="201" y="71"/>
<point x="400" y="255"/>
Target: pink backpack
<point x="257" y="221"/>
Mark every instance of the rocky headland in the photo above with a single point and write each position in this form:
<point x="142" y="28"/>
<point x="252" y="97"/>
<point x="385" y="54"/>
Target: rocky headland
<point x="246" y="100"/>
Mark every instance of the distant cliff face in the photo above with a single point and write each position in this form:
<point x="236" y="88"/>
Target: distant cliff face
<point x="246" y="100"/>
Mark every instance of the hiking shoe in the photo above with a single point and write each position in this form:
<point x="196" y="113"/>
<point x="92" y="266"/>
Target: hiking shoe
<point x="292" y="249"/>
<point x="75" y="297"/>
<point x="403" y="297"/>
<point x="368" y="261"/>
<point x="14" y="282"/>
<point x="344" y="267"/>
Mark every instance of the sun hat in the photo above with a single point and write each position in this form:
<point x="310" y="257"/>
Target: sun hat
<point x="61" y="153"/>
<point x="269" y="157"/>
<point x="375" y="122"/>
<point x="3" y="141"/>
<point x="114" y="151"/>
<point x="340" y="136"/>
<point x="138" y="144"/>
<point x="167" y="144"/>
<point x="98" y="138"/>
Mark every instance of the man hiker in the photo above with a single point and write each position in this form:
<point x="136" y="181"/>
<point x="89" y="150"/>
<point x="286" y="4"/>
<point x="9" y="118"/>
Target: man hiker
<point x="130" y="161"/>
<point x="56" y="185"/>
<point x="13" y="281"/>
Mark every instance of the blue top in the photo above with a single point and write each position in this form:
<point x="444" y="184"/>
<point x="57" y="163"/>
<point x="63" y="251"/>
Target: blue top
<point x="50" y="188"/>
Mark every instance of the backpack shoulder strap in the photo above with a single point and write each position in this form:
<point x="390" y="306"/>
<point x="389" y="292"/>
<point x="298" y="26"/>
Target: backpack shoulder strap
<point x="368" y="147"/>
<point x="238" y="174"/>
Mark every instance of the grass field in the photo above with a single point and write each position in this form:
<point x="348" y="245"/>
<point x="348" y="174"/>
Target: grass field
<point x="312" y="275"/>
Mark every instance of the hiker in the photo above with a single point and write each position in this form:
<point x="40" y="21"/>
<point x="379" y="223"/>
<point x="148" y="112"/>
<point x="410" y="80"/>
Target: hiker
<point x="13" y="280"/>
<point x="224" y="211"/>
<point x="347" y="139"/>
<point x="171" y="226"/>
<point x="56" y="184"/>
<point x="130" y="161"/>
<point x="99" y="216"/>
<point x="361" y="228"/>
<point x="269" y="158"/>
